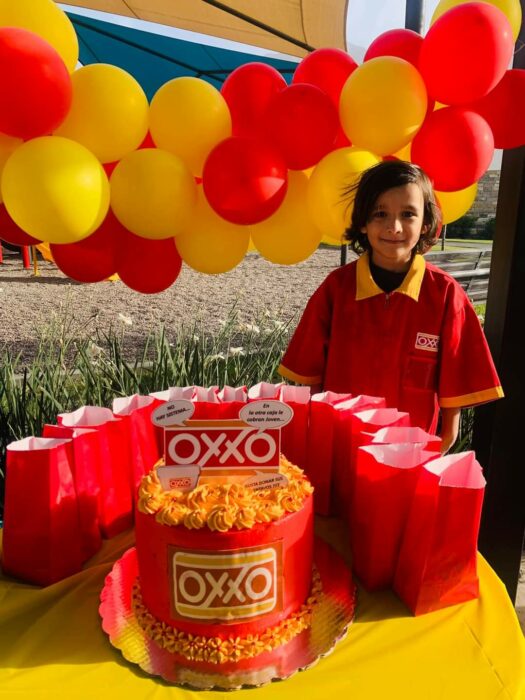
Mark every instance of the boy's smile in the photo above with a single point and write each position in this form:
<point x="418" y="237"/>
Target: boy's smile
<point x="394" y="226"/>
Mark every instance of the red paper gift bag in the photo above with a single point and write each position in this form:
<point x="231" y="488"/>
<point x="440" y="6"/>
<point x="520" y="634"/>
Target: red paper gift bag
<point x="395" y="434"/>
<point x="320" y="446"/>
<point x="295" y="433"/>
<point x="232" y="400"/>
<point x="174" y="393"/>
<point x="85" y="466"/>
<point x="206" y="403"/>
<point x="264" y="390"/>
<point x="342" y="444"/>
<point x="367" y="421"/>
<point x="42" y="542"/>
<point x="385" y="480"/>
<point x="384" y="436"/>
<point x="136" y="411"/>
<point x="115" y="464"/>
<point x="437" y="560"/>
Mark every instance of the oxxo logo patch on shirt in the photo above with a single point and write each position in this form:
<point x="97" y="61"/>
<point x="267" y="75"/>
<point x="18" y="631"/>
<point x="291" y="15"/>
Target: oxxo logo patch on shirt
<point x="426" y="341"/>
<point x="225" y="585"/>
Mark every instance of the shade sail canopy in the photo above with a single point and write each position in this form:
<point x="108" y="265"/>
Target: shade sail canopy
<point x="154" y="58"/>
<point x="312" y="23"/>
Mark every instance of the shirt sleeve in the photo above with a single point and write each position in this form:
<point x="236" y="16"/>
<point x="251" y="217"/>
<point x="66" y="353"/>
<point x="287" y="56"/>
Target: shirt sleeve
<point x="305" y="358"/>
<point x="467" y="375"/>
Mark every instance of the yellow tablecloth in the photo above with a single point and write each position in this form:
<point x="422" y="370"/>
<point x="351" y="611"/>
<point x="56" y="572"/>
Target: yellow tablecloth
<point x="52" y="646"/>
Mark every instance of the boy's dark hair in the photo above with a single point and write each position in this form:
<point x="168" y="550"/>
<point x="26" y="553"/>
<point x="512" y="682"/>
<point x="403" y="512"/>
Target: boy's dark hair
<point x="376" y="180"/>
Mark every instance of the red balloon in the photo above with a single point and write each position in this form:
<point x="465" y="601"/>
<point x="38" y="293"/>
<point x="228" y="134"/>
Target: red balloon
<point x="12" y="233"/>
<point x="147" y="266"/>
<point x="466" y="53"/>
<point x="403" y="43"/>
<point x="454" y="146"/>
<point x="342" y="140"/>
<point x="148" y="141"/>
<point x="327" y="69"/>
<point x="244" y="180"/>
<point x="302" y="123"/>
<point x="503" y="108"/>
<point x="248" y="90"/>
<point x="35" y="86"/>
<point x="110" y="167"/>
<point x="94" y="258"/>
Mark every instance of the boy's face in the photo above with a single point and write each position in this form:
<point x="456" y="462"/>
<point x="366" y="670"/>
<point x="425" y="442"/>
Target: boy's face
<point x="395" y="225"/>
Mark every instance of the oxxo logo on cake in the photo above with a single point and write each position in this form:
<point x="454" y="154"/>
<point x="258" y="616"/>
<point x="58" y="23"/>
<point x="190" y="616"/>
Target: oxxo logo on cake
<point x="253" y="440"/>
<point x="226" y="585"/>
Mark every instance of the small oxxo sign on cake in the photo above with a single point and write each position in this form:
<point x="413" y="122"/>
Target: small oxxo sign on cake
<point x="244" y="450"/>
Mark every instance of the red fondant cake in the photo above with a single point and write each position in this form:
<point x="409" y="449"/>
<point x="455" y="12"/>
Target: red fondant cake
<point x="225" y="572"/>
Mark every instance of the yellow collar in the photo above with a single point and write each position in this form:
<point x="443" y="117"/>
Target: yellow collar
<point x="411" y="285"/>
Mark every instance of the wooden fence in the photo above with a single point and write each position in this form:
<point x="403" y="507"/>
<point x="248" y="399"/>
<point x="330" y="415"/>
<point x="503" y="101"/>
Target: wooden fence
<point x="471" y="268"/>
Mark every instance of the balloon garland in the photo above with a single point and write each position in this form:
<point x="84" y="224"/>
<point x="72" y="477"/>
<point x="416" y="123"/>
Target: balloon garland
<point x="117" y="185"/>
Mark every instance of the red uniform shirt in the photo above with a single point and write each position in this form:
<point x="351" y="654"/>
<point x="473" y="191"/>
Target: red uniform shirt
<point x="420" y="346"/>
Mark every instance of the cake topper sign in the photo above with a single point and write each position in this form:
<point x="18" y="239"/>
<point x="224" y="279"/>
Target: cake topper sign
<point x="233" y="448"/>
<point x="266" y="414"/>
<point x="173" y="413"/>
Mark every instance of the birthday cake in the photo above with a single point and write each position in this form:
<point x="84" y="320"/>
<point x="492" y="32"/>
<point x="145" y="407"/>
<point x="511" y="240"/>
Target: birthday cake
<point x="225" y="558"/>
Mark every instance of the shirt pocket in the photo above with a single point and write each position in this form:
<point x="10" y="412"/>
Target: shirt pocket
<point x="421" y="373"/>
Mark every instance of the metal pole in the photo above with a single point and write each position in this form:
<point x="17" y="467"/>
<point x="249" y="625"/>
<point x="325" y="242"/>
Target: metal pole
<point x="414" y="15"/>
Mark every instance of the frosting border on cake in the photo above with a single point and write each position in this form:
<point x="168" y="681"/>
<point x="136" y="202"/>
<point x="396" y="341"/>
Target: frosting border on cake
<point x="217" y="650"/>
<point x="224" y="507"/>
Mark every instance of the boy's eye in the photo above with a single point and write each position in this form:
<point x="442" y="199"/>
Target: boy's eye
<point x="379" y="214"/>
<point x="409" y="214"/>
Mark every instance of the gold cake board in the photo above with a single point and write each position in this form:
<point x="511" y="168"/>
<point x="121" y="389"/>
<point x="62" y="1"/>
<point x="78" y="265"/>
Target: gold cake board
<point x="331" y="618"/>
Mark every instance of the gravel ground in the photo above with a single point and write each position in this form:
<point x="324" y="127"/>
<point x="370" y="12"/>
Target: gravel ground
<point x="28" y="303"/>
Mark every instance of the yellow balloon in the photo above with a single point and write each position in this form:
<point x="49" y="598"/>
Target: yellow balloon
<point x="188" y="117"/>
<point x="45" y="18"/>
<point x="329" y="208"/>
<point x="153" y="193"/>
<point x="510" y="8"/>
<point x="55" y="189"/>
<point x="331" y="241"/>
<point x="212" y="245"/>
<point x="455" y="204"/>
<point x="251" y="247"/>
<point x="8" y="144"/>
<point x="383" y="104"/>
<point x="288" y="236"/>
<point x="404" y="153"/>
<point x="109" y="112"/>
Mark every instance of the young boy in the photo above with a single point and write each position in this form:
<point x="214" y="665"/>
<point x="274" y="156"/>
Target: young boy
<point x="390" y="324"/>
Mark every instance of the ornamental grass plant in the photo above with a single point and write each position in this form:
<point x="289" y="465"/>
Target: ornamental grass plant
<point x="74" y="366"/>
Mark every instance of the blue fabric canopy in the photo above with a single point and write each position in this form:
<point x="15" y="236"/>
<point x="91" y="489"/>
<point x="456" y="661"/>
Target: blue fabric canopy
<point x="153" y="59"/>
